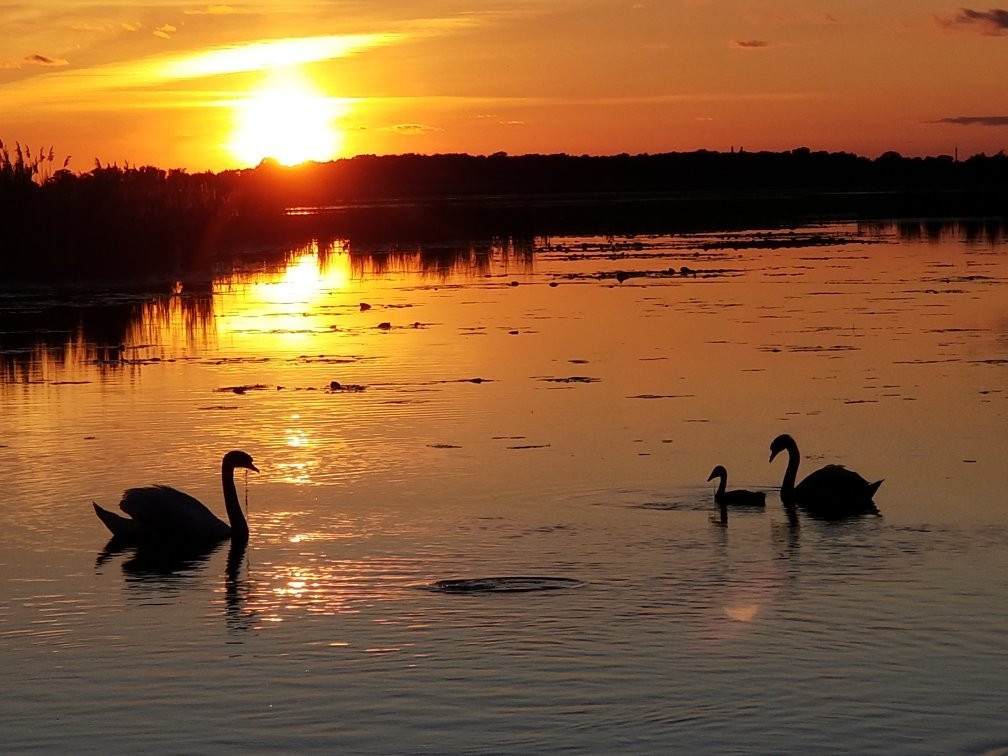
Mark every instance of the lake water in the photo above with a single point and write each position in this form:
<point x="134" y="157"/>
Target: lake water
<point x="518" y="411"/>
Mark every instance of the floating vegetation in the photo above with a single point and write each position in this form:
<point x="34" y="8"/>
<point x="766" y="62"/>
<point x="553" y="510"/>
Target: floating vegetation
<point x="241" y="389"/>
<point x="682" y="271"/>
<point x="507" y="584"/>
<point x="572" y="379"/>
<point x="336" y="386"/>
<point x="323" y="360"/>
<point x="661" y="396"/>
<point x="810" y="349"/>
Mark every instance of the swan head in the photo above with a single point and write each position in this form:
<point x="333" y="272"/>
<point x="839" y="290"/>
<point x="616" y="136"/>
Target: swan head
<point x="718" y="472"/>
<point x="783" y="442"/>
<point x="235" y="459"/>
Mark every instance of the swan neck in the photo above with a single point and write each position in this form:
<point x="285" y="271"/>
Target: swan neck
<point x="790" y="474"/>
<point x="722" y="484"/>
<point x="239" y="526"/>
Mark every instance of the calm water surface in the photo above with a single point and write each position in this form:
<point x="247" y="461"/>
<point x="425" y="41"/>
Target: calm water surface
<point x="517" y="412"/>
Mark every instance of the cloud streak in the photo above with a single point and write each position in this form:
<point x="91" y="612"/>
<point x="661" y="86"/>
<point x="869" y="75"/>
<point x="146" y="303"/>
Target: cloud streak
<point x="214" y="10"/>
<point x="411" y="129"/>
<point x="268" y="54"/>
<point x="83" y="88"/>
<point x="751" y="44"/>
<point x="993" y="22"/>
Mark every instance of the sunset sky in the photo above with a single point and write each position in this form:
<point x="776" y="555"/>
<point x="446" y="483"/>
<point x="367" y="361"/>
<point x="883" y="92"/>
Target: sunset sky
<point x="219" y="86"/>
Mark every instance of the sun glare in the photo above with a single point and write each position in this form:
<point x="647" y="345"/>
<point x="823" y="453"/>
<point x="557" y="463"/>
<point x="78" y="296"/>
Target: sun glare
<point x="288" y="119"/>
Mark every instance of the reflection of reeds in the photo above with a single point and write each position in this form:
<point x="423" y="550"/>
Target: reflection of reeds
<point x="67" y="335"/>
<point x="989" y="230"/>
<point x="443" y="260"/>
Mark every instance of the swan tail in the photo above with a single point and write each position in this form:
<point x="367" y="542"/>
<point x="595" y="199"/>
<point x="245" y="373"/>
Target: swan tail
<point x="873" y="487"/>
<point x="120" y="527"/>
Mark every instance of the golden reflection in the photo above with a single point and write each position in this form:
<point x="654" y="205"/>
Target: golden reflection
<point x="296" y="472"/>
<point x="305" y="278"/>
<point x="287" y="118"/>
<point x="283" y="311"/>
<point x="319" y="590"/>
<point x="742" y="613"/>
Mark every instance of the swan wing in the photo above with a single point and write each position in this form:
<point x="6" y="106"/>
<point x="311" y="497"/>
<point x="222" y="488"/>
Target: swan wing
<point x="834" y="476"/>
<point x="172" y="513"/>
<point x="834" y="488"/>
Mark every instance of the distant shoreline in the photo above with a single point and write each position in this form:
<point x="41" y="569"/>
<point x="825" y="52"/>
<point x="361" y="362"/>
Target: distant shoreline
<point x="134" y="220"/>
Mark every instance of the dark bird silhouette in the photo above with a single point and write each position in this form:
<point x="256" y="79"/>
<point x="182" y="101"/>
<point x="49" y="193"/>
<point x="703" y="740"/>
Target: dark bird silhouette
<point x="830" y="492"/>
<point x="160" y="514"/>
<point x="738" y="497"/>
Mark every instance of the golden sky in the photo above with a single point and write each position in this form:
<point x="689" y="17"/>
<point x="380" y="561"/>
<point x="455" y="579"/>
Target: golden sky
<point x="217" y="86"/>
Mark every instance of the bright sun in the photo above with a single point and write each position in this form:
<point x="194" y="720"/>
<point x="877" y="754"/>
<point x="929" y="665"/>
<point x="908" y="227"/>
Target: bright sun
<point x="287" y="118"/>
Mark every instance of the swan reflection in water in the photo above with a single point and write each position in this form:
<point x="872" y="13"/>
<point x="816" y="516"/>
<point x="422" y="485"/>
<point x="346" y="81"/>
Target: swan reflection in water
<point x="736" y="497"/>
<point x="160" y="567"/>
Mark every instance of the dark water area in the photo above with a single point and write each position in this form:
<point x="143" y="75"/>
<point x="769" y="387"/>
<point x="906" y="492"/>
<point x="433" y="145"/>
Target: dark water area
<point x="482" y="521"/>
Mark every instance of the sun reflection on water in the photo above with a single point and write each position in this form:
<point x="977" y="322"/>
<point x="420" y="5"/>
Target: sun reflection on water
<point x="283" y="311"/>
<point x="281" y="591"/>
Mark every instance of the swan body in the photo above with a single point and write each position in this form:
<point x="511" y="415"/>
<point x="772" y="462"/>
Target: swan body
<point x="167" y="515"/>
<point x="737" y="497"/>
<point x="832" y="491"/>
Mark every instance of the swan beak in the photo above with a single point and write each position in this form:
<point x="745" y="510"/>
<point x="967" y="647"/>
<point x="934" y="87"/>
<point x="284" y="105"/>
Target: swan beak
<point x="253" y="468"/>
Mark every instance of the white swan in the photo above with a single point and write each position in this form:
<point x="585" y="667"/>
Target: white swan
<point x="832" y="491"/>
<point x="167" y="515"/>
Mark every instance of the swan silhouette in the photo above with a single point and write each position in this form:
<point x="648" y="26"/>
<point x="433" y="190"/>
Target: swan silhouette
<point x="737" y="497"/>
<point x="160" y="514"/>
<point x="831" y="492"/>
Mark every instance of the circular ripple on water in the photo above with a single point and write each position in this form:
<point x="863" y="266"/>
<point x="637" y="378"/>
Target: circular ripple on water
<point x="509" y="584"/>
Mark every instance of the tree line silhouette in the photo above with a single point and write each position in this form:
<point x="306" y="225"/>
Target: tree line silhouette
<point x="131" y="221"/>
